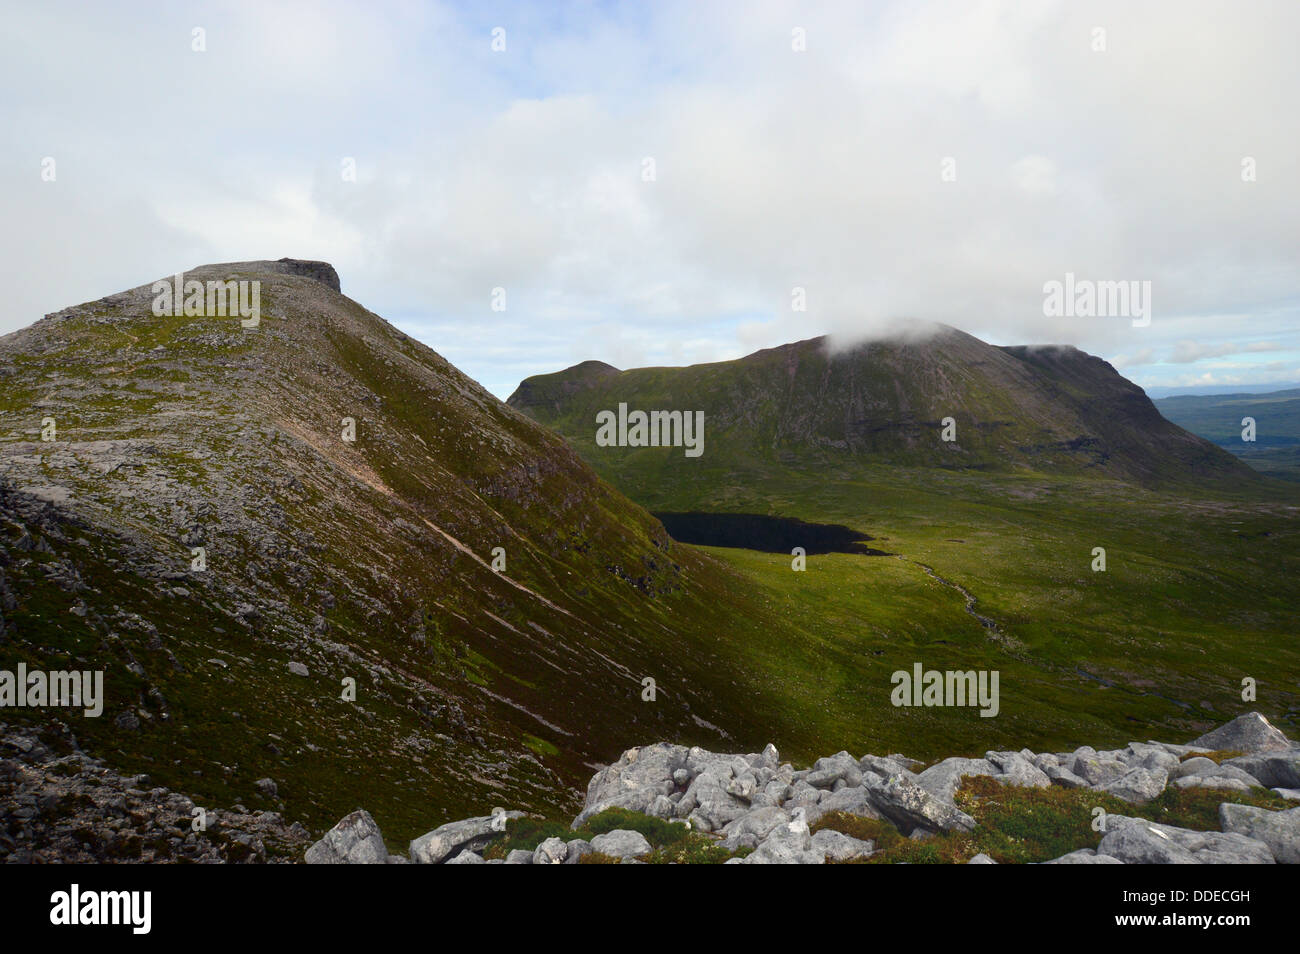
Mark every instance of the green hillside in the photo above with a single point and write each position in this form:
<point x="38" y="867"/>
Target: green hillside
<point x="1056" y="455"/>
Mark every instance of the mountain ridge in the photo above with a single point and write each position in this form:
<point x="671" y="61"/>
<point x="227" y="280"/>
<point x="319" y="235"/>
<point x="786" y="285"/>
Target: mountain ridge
<point x="1029" y="408"/>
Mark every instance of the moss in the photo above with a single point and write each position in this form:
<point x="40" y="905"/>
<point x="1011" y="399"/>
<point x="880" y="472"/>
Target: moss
<point x="1218" y="755"/>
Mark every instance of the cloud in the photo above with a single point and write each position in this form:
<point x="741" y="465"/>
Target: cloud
<point x="1187" y="352"/>
<point x="774" y="169"/>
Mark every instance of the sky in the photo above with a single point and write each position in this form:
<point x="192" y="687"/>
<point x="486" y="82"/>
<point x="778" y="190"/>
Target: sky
<point x="672" y="183"/>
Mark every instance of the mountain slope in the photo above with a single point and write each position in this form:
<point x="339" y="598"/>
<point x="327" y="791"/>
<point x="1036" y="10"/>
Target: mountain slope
<point x="1045" y="410"/>
<point x="368" y="560"/>
<point x="1108" y="564"/>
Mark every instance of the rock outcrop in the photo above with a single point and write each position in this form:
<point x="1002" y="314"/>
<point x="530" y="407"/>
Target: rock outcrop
<point x="761" y="808"/>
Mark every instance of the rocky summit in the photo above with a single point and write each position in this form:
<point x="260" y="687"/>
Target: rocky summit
<point x="667" y="803"/>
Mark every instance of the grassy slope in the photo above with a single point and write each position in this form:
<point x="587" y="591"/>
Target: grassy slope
<point x="1195" y="597"/>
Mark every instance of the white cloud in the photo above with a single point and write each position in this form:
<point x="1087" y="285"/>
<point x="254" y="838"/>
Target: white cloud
<point x="775" y="169"/>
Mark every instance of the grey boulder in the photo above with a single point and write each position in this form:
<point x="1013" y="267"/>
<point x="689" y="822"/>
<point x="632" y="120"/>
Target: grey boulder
<point x="1250" y="733"/>
<point x="1279" y="830"/>
<point x="435" y="847"/>
<point x="621" y="843"/>
<point x="911" y="808"/>
<point x="355" y="840"/>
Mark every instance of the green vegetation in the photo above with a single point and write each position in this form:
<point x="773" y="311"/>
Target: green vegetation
<point x="1193" y="599"/>
<point x="673" y="842"/>
<point x="1032" y="825"/>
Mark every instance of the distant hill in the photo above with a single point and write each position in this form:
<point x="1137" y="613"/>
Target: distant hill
<point x="1217" y="417"/>
<point x="1050" y="410"/>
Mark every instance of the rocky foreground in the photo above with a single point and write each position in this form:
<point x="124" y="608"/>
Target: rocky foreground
<point x="762" y="809"/>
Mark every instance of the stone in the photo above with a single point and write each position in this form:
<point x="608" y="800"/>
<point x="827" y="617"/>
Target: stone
<point x="1216" y="782"/>
<point x="839" y="847"/>
<point x="854" y="801"/>
<point x="355" y="840"/>
<point x="298" y="669"/>
<point x="788" y="844"/>
<point x="576" y="849"/>
<point x="1280" y="830"/>
<point x="1015" y="769"/>
<point x="1250" y="733"/>
<point x="467" y="857"/>
<point x="981" y="859"/>
<point x="1137" y="785"/>
<point x="552" y="851"/>
<point x="944" y="778"/>
<point x="443" y="842"/>
<point x="1084" y="856"/>
<point x="621" y="843"/>
<point x="636" y="780"/>
<point x="519" y="856"/>
<point x="1138" y="841"/>
<point x="750" y="829"/>
<point x="827" y="771"/>
<point x="1063" y="777"/>
<point x="910" y="807"/>
<point x="1279" y="769"/>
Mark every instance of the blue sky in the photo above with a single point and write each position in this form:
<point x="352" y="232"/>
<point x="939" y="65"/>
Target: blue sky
<point x="776" y="168"/>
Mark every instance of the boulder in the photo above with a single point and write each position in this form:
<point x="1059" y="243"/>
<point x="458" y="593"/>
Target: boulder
<point x="1084" y="856"/>
<point x="944" y="778"/>
<point x="1137" y="785"/>
<point x="1250" y="733"/>
<point x="854" y="801"/>
<point x="1279" y="830"/>
<point x="1280" y="769"/>
<point x="1216" y="782"/>
<point x="576" y="849"/>
<point x="621" y="843"/>
<point x="447" y="840"/>
<point x="910" y="807"/>
<point x="841" y="766"/>
<point x="467" y="858"/>
<point x="839" y="847"/>
<point x="750" y="829"/>
<point x="355" y="840"/>
<point x="788" y="844"/>
<point x="1015" y="769"/>
<point x="552" y="851"/>
<point x="1138" y="841"/>
<point x="636" y="780"/>
<point x="981" y="859"/>
<point x="886" y="765"/>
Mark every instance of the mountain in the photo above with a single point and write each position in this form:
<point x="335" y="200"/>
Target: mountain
<point x="135" y="446"/>
<point x="1111" y="566"/>
<point x="1050" y="410"/>
<point x="1275" y="450"/>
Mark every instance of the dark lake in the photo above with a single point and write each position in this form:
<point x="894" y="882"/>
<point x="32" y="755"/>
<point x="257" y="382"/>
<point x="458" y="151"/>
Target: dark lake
<point x="751" y="531"/>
